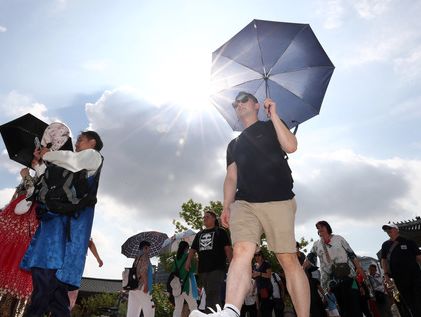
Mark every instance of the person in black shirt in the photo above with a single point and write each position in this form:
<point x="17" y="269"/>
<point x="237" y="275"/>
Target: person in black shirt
<point x="401" y="259"/>
<point x="258" y="198"/>
<point x="262" y="273"/>
<point x="213" y="246"/>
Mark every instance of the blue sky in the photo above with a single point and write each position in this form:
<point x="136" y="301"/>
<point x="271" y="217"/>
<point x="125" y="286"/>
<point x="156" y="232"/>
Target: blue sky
<point x="138" y="72"/>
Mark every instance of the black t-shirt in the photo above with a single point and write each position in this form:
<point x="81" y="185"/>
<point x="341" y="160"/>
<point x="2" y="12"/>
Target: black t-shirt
<point x="403" y="264"/>
<point x="263" y="173"/>
<point x="210" y="246"/>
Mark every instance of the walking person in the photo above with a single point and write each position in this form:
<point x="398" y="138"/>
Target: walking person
<point x="337" y="263"/>
<point x="278" y="294"/>
<point x="258" y="198"/>
<point x="18" y="223"/>
<point x="140" y="299"/>
<point x="381" y="305"/>
<point x="57" y="253"/>
<point x="213" y="247"/>
<point x="188" y="281"/>
<point x="262" y="273"/>
<point x="401" y="259"/>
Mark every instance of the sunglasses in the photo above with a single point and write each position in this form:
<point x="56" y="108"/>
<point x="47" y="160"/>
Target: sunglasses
<point x="242" y="99"/>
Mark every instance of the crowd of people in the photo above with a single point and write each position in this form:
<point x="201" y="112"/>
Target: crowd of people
<point x="231" y="266"/>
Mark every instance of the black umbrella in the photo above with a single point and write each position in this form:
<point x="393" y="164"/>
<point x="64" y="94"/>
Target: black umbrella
<point x="283" y="61"/>
<point x="130" y="248"/>
<point x="19" y="137"/>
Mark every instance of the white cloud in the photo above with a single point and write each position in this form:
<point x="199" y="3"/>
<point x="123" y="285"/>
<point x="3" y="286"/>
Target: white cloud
<point x="369" y="9"/>
<point x="146" y="166"/>
<point x="333" y="12"/>
<point x="5" y="196"/>
<point x="351" y="187"/>
<point x="97" y="65"/>
<point x="15" y="104"/>
<point x="2" y="29"/>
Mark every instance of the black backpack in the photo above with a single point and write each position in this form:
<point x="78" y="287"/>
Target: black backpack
<point x="64" y="192"/>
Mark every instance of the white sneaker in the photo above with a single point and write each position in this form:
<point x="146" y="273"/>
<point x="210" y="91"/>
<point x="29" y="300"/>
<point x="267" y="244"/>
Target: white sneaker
<point x="218" y="313"/>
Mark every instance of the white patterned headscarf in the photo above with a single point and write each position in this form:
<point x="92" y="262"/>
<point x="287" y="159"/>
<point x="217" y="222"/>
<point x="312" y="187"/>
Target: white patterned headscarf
<point x="55" y="136"/>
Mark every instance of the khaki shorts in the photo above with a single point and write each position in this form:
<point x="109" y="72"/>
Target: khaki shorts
<point x="276" y="219"/>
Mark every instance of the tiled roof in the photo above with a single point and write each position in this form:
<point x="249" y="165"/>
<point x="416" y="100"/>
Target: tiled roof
<point x="97" y="285"/>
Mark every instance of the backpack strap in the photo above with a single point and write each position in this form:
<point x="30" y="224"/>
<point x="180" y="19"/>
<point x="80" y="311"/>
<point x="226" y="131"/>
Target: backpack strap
<point x="389" y="254"/>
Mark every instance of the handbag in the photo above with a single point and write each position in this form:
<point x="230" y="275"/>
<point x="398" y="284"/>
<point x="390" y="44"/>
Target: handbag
<point x="174" y="283"/>
<point x="340" y="270"/>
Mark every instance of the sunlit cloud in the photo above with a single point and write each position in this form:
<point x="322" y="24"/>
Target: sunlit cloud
<point x="333" y="12"/>
<point x="2" y="29"/>
<point x="368" y="9"/>
<point x="15" y="104"/>
<point x="96" y="66"/>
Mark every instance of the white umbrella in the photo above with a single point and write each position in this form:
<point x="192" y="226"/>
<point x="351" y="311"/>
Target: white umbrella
<point x="171" y="244"/>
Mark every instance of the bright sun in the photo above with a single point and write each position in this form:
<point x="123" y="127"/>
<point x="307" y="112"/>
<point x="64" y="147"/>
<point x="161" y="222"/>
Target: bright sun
<point x="183" y="80"/>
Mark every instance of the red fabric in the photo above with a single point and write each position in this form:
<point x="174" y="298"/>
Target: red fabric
<point x="16" y="232"/>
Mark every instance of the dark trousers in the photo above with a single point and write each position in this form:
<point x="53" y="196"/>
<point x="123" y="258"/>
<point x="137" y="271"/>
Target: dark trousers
<point x="278" y="307"/>
<point x="48" y="295"/>
<point x="266" y="307"/>
<point x="251" y="309"/>
<point x="212" y="283"/>
<point x="348" y="298"/>
<point x="410" y="297"/>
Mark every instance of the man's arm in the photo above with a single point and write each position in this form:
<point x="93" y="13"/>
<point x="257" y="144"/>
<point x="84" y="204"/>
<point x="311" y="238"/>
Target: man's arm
<point x="187" y="265"/>
<point x="286" y="138"/>
<point x="75" y="161"/>
<point x="228" y="252"/>
<point x="230" y="188"/>
<point x="358" y="266"/>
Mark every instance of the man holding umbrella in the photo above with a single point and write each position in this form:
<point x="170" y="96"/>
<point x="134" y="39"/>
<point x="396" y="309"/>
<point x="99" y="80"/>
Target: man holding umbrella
<point x="258" y="199"/>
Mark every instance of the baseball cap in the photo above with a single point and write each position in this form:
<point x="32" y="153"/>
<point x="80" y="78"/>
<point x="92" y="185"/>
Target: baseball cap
<point x="390" y="226"/>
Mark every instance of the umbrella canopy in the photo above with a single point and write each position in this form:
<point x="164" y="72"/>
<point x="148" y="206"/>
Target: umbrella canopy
<point x="283" y="61"/>
<point x="19" y="137"/>
<point x="130" y="248"/>
<point x="23" y="134"/>
<point x="171" y="244"/>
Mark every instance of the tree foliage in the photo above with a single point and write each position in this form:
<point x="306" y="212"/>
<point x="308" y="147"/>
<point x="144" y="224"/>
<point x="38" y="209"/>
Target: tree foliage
<point x="163" y="307"/>
<point x="192" y="214"/>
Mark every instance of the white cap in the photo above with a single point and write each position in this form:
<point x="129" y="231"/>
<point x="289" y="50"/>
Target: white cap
<point x="389" y="226"/>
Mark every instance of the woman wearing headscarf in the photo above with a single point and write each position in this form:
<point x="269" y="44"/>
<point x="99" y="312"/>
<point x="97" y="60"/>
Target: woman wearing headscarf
<point x="18" y="223"/>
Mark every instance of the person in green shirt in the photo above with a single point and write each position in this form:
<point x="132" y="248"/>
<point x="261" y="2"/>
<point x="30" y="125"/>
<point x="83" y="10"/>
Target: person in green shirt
<point x="187" y="279"/>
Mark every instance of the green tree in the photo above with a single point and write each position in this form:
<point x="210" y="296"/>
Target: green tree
<point x="163" y="307"/>
<point x="192" y="215"/>
<point x="91" y="306"/>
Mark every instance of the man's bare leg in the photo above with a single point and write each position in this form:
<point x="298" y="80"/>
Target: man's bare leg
<point x="297" y="283"/>
<point x="239" y="273"/>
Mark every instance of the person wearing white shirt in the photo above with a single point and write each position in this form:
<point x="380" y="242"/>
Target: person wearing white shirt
<point x="57" y="253"/>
